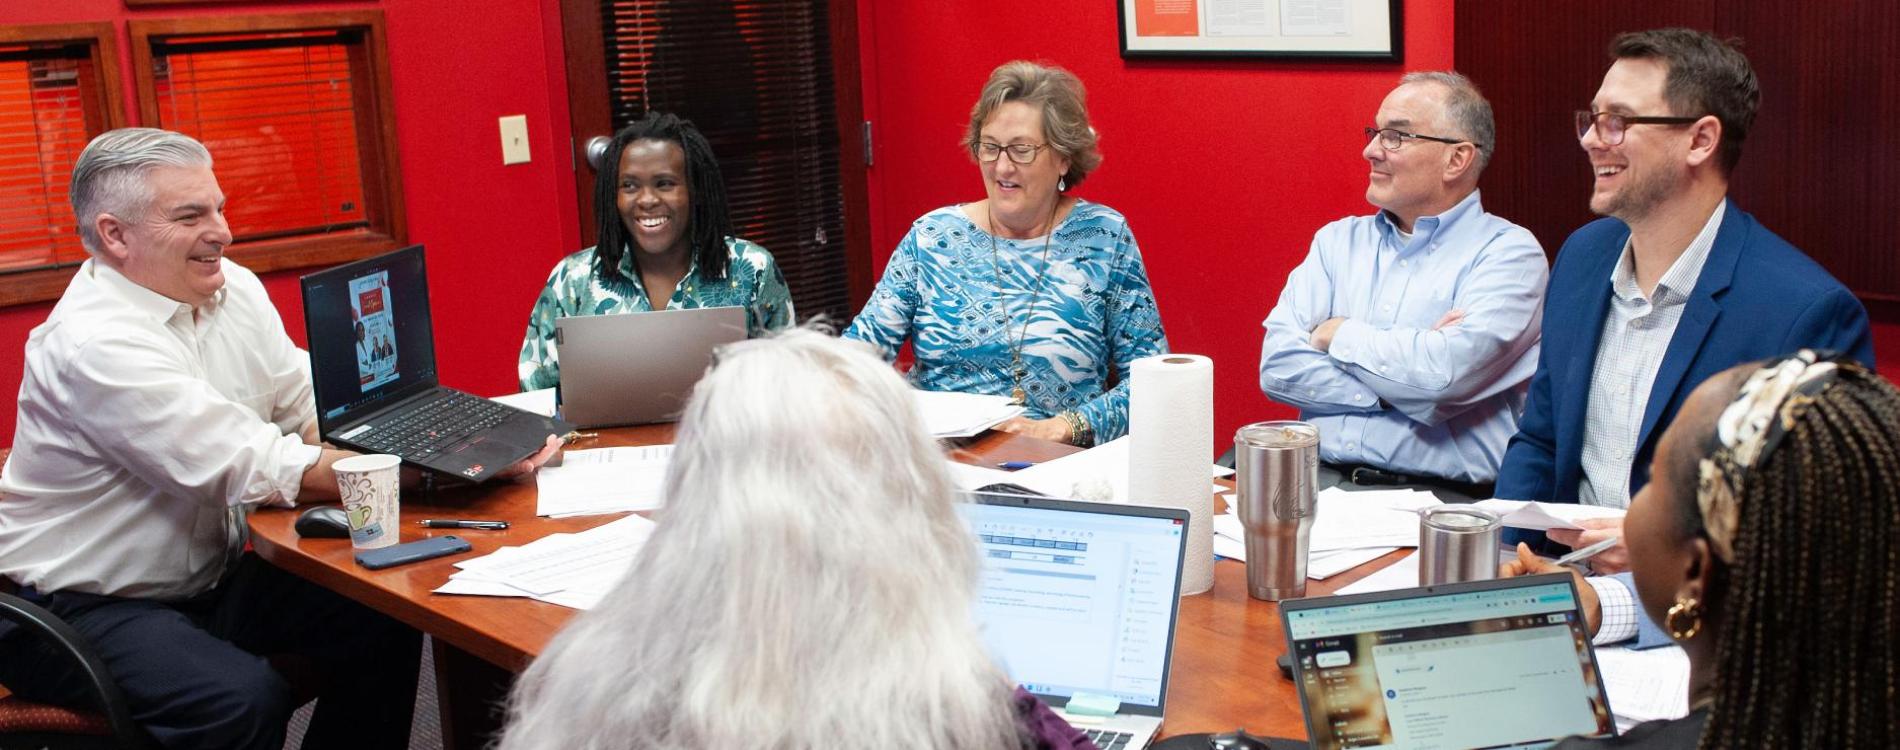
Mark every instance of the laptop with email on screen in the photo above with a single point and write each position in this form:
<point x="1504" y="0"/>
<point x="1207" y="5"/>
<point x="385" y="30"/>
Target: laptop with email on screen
<point x="638" y="368"/>
<point x="1080" y="599"/>
<point x="372" y="365"/>
<point x="1485" y="664"/>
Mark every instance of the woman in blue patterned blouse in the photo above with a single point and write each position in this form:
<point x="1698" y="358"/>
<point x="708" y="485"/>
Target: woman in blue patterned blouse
<point x="664" y="235"/>
<point x="1029" y="293"/>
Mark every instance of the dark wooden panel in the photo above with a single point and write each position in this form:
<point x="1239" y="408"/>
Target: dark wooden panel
<point x="1818" y="169"/>
<point x="1537" y="63"/>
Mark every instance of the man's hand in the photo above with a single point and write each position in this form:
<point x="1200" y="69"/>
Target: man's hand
<point x="1529" y="564"/>
<point x="1053" y="428"/>
<point x="1608" y="562"/>
<point x="527" y="466"/>
<point x="1452" y="317"/>
<point x="1322" y="338"/>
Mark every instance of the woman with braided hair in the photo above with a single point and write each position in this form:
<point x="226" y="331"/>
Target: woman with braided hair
<point x="1765" y="548"/>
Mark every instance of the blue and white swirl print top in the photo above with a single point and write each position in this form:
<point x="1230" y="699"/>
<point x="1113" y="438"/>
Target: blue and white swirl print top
<point x="1094" y="314"/>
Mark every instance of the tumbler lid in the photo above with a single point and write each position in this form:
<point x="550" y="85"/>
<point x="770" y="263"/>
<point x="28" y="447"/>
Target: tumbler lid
<point x="1278" y="434"/>
<point x="1459" y="519"/>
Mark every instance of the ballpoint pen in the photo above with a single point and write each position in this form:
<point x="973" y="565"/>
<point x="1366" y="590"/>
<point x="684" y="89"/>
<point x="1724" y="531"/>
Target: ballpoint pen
<point x="1588" y="552"/>
<point x="435" y="523"/>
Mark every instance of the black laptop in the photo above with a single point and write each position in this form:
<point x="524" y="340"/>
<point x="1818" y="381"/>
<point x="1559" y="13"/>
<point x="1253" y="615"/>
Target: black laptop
<point x="372" y="361"/>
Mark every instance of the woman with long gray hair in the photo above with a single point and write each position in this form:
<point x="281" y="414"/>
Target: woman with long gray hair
<point x="809" y="585"/>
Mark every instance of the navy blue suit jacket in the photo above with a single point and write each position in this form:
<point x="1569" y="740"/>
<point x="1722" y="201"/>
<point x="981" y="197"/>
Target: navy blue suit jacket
<point x="1757" y="297"/>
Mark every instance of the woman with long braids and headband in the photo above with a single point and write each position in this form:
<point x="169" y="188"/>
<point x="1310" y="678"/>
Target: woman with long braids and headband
<point x="1029" y="293"/>
<point x="1765" y="547"/>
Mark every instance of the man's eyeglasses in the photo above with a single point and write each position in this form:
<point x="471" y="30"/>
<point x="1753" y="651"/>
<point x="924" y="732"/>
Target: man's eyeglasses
<point x="1021" y="153"/>
<point x="1611" y="126"/>
<point x="1393" y="140"/>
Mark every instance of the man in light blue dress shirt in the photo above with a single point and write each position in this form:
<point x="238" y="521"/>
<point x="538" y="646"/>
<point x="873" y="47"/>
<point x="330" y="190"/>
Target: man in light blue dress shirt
<point x="1408" y="336"/>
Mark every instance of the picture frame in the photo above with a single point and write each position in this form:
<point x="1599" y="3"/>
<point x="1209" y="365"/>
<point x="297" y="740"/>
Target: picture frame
<point x="1344" y="30"/>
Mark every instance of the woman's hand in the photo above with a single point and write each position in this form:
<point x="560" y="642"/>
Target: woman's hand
<point x="1529" y="564"/>
<point x="1608" y="562"/>
<point x="527" y="466"/>
<point x="1053" y="428"/>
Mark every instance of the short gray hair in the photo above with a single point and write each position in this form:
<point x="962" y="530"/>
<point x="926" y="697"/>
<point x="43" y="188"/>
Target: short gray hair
<point x="809" y="584"/>
<point x="1063" y="102"/>
<point x="1465" y="107"/>
<point x="109" y="177"/>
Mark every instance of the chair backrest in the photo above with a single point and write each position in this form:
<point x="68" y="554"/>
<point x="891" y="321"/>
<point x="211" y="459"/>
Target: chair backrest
<point x="110" y="704"/>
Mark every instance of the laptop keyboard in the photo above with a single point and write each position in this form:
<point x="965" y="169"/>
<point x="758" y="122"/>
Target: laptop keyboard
<point x="1109" y="740"/>
<point x="430" y="426"/>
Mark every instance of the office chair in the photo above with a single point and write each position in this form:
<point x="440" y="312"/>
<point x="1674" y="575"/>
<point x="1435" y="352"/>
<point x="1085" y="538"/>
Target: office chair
<point x="24" y="723"/>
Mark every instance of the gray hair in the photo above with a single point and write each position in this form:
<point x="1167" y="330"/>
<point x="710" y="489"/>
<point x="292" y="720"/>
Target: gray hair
<point x="809" y="585"/>
<point x="109" y="177"/>
<point x="1063" y="102"/>
<point x="1466" y="108"/>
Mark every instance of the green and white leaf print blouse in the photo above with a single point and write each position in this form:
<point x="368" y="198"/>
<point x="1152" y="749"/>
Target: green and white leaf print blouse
<point x="575" y="287"/>
<point x="1093" y="315"/>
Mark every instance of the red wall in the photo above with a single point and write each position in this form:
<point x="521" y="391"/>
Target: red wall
<point x="492" y="231"/>
<point x="1224" y="169"/>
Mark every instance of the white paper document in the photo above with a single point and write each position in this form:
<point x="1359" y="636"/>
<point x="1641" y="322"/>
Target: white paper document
<point x="572" y="570"/>
<point x="956" y="415"/>
<point x="1103" y="466"/>
<point x="1646" y="685"/>
<point x="1399" y="575"/>
<point x="969" y="477"/>
<point x="603" y="480"/>
<point x="538" y="401"/>
<point x="1370" y="518"/>
<point x="1536" y="516"/>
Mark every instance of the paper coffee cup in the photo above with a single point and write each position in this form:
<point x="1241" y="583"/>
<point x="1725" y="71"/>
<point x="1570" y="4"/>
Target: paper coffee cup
<point x="371" y="490"/>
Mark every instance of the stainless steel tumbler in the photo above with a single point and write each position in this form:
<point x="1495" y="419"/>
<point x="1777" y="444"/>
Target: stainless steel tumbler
<point x="1276" y="468"/>
<point x="1457" y="543"/>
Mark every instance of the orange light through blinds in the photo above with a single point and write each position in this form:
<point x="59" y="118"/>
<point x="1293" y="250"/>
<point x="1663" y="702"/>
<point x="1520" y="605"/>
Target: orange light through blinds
<point x="43" y="126"/>
<point x="755" y="77"/>
<point x="277" y="112"/>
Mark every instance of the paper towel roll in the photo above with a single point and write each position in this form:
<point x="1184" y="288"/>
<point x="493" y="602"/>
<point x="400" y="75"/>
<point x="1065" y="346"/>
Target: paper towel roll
<point x="1171" y="434"/>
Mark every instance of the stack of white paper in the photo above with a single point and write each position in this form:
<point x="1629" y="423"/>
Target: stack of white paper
<point x="603" y="480"/>
<point x="1647" y="685"/>
<point x="1524" y="514"/>
<point x="1102" y="467"/>
<point x="572" y="570"/>
<point x="1399" y="575"/>
<point x="957" y="415"/>
<point x="1352" y="529"/>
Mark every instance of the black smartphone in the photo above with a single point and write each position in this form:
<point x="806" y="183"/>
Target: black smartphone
<point x="408" y="552"/>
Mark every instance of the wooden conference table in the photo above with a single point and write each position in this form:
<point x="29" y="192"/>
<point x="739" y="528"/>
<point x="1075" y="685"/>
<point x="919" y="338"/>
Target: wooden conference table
<point x="1223" y="676"/>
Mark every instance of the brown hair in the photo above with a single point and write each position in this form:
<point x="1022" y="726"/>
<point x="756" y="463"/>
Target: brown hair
<point x="1707" y="76"/>
<point x="1065" y="116"/>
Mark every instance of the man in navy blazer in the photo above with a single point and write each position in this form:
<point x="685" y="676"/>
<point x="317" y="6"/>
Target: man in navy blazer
<point x="1675" y="285"/>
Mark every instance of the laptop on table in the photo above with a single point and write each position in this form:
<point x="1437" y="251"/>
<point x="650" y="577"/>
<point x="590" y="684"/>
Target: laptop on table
<point x="372" y="365"/>
<point x="1484" y="664"/>
<point x="638" y="368"/>
<point x="1081" y="599"/>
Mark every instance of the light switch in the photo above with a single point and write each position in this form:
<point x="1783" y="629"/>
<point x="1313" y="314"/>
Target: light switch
<point x="514" y="139"/>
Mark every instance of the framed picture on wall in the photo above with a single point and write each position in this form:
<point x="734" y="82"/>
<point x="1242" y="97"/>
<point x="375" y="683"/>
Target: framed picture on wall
<point x="1364" y="30"/>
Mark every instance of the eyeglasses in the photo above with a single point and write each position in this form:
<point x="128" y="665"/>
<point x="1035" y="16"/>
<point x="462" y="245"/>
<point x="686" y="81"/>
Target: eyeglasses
<point x="1393" y="140"/>
<point x="1611" y="126"/>
<point x="1021" y="153"/>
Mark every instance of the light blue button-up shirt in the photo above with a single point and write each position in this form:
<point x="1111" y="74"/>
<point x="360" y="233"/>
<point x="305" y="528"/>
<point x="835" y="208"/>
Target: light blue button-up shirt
<point x="1393" y="392"/>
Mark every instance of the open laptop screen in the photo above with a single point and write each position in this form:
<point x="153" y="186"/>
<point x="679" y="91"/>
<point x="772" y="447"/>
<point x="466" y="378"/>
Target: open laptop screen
<point x="1492" y="664"/>
<point x="1079" y="597"/>
<point x="370" y="338"/>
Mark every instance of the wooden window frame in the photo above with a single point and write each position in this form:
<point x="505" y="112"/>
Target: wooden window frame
<point x="47" y="283"/>
<point x="375" y="120"/>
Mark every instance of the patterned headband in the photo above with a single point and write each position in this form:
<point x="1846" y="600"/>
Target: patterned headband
<point x="1763" y="413"/>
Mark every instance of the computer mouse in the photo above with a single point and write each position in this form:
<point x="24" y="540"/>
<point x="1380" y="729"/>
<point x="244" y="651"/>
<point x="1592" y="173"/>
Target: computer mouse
<point x="324" y="522"/>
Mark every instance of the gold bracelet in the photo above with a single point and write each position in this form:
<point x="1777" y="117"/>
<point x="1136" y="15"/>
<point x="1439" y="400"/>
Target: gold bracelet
<point x="1081" y="434"/>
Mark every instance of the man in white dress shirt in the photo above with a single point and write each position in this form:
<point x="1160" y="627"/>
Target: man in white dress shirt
<point x="161" y="402"/>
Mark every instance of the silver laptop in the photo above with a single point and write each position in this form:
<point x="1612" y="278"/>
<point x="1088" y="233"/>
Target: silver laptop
<point x="1486" y="664"/>
<point x="1080" y="599"/>
<point x="638" y="368"/>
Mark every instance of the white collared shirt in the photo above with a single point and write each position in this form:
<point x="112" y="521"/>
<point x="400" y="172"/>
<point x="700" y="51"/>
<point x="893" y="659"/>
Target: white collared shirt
<point x="146" y="434"/>
<point x="1636" y="334"/>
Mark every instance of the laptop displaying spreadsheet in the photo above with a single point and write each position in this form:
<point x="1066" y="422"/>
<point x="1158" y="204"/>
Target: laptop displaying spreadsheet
<point x="1081" y="598"/>
<point x="1484" y="664"/>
